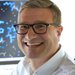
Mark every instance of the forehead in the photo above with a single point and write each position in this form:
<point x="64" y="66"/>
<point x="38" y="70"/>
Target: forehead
<point x="35" y="14"/>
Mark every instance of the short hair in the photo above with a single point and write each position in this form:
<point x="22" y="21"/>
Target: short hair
<point x="44" y="4"/>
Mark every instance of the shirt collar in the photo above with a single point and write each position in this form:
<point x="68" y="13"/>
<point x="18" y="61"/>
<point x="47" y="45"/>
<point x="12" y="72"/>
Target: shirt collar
<point x="50" y="66"/>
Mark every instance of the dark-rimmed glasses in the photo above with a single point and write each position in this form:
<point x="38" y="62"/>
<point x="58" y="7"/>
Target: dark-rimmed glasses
<point x="38" y="28"/>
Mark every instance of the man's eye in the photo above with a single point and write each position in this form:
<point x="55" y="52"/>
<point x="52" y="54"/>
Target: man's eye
<point x="40" y="26"/>
<point x="24" y="26"/>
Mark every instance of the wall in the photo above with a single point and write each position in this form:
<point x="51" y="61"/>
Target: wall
<point x="68" y="23"/>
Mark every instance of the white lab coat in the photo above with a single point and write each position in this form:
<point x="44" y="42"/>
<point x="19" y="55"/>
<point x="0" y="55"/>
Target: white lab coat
<point x="59" y="64"/>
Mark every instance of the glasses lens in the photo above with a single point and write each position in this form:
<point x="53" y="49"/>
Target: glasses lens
<point x="21" y="29"/>
<point x="40" y="28"/>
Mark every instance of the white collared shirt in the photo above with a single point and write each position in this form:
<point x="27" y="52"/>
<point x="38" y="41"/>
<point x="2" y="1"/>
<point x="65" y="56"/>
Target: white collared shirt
<point x="59" y="64"/>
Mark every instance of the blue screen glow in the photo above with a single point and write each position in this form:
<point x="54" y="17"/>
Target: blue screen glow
<point x="8" y="17"/>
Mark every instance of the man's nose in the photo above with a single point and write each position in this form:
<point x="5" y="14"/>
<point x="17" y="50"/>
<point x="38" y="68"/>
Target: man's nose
<point x="30" y="34"/>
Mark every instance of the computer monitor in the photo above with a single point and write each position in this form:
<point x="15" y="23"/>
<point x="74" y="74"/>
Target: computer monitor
<point x="9" y="50"/>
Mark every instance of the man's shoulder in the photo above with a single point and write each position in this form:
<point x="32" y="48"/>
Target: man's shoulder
<point x="67" y="61"/>
<point x="67" y="67"/>
<point x="19" y="70"/>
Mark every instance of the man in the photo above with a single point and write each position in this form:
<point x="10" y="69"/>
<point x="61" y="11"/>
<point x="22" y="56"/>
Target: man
<point x="38" y="34"/>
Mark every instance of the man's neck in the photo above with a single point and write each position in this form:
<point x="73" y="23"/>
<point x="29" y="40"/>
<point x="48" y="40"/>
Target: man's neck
<point x="37" y="62"/>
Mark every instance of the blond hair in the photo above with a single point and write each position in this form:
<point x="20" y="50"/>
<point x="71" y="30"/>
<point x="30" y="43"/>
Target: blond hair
<point x="44" y="4"/>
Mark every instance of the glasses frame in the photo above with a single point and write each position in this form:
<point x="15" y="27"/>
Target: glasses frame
<point x="32" y="26"/>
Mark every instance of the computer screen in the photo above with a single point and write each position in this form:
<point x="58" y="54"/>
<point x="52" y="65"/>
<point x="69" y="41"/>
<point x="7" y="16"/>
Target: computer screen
<point x="8" y="17"/>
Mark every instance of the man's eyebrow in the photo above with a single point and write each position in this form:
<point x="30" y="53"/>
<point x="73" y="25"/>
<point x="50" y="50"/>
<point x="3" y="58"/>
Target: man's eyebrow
<point x="22" y="23"/>
<point x="32" y="23"/>
<point x="39" y="21"/>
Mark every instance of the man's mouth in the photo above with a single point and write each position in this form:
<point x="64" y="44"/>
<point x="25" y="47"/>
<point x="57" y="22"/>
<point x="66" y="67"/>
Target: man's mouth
<point x="33" y="44"/>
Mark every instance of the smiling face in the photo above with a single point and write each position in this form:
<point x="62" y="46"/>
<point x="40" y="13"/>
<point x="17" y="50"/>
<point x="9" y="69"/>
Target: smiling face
<point x="38" y="45"/>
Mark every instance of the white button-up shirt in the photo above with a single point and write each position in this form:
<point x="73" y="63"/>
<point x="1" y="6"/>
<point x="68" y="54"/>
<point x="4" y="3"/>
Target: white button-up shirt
<point x="59" y="64"/>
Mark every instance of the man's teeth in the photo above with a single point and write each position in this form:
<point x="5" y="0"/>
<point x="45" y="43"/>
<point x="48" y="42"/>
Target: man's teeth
<point x="33" y="43"/>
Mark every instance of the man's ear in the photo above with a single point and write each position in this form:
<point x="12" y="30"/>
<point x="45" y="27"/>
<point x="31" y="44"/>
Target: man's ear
<point x="59" y="30"/>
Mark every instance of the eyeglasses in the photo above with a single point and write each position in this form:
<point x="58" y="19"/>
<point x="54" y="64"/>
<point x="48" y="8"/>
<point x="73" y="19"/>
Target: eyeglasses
<point x="38" y="28"/>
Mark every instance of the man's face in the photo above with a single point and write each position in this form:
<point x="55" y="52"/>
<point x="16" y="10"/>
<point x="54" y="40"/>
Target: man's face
<point x="38" y="45"/>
